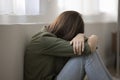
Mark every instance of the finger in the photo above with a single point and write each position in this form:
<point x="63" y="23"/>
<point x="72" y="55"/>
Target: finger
<point x="83" y="46"/>
<point x="80" y="48"/>
<point x="77" y="47"/>
<point x="74" y="47"/>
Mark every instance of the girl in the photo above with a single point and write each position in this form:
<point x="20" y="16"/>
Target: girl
<point x="62" y="52"/>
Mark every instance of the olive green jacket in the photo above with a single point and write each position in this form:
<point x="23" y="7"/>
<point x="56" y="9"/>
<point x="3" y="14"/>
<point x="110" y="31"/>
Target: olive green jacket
<point x="46" y="55"/>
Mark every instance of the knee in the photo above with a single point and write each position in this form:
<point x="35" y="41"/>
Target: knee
<point x="76" y="60"/>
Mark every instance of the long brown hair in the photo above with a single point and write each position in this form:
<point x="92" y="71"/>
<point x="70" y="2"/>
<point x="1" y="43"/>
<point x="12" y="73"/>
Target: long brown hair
<point x="67" y="25"/>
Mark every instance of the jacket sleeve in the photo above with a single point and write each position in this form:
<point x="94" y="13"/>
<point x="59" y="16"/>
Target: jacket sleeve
<point x="55" y="47"/>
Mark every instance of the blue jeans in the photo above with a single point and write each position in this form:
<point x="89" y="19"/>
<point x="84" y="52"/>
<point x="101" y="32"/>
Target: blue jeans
<point x="77" y="67"/>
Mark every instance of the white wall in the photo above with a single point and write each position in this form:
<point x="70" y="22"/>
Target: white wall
<point x="13" y="39"/>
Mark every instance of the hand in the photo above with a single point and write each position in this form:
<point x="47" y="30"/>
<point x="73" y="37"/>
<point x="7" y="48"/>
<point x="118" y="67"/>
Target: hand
<point x="78" y="44"/>
<point x="93" y="42"/>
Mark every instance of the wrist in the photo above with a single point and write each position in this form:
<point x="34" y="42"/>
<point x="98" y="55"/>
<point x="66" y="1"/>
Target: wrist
<point x="80" y="35"/>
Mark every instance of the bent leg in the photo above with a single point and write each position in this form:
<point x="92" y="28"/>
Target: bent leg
<point x="95" y="68"/>
<point x="73" y="69"/>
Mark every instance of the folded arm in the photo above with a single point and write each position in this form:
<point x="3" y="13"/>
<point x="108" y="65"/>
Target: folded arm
<point x="54" y="46"/>
<point x="78" y="43"/>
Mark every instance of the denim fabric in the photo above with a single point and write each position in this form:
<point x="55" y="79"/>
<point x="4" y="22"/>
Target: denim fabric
<point x="77" y="67"/>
